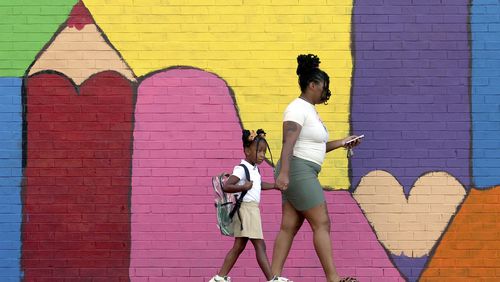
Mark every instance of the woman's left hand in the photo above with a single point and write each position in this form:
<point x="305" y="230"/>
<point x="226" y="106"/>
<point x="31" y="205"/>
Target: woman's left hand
<point x="349" y="145"/>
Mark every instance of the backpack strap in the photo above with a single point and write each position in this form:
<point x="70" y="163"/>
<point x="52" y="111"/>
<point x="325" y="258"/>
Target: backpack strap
<point x="239" y="200"/>
<point x="247" y="174"/>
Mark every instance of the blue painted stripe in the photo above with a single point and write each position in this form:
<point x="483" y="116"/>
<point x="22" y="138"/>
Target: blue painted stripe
<point x="10" y="178"/>
<point x="485" y="93"/>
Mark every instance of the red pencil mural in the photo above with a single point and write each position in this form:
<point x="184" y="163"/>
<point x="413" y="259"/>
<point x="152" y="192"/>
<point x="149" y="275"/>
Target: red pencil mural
<point x="79" y="124"/>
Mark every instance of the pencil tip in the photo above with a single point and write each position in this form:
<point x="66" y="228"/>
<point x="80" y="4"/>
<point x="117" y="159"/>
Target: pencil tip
<point x="79" y="16"/>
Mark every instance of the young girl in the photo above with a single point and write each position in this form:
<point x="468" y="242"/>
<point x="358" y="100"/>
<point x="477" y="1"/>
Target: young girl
<point x="249" y="227"/>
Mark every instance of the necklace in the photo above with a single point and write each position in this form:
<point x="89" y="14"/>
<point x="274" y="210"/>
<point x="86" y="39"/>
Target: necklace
<point x="305" y="99"/>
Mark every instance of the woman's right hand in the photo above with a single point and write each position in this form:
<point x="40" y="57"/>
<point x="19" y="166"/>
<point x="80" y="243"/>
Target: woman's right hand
<point x="282" y="181"/>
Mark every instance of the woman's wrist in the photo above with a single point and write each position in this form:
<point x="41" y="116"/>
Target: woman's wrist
<point x="284" y="170"/>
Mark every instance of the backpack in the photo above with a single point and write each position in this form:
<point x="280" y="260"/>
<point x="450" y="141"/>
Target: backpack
<point x="227" y="204"/>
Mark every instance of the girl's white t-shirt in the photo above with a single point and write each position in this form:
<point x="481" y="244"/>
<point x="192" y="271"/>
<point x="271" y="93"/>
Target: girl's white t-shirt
<point x="252" y="195"/>
<point x="311" y="143"/>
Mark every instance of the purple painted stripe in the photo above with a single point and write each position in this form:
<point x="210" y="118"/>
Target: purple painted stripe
<point x="410" y="90"/>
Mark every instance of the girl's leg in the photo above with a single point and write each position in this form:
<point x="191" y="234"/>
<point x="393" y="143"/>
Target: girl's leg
<point x="260" y="252"/>
<point x="232" y="255"/>
<point x="291" y="221"/>
<point x="320" y="224"/>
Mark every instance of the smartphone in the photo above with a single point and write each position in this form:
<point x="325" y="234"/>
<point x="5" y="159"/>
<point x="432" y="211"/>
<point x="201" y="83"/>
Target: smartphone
<point x="352" y="140"/>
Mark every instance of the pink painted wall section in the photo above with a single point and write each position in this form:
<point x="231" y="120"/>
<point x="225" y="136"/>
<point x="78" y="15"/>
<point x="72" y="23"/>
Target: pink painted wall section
<point x="186" y="131"/>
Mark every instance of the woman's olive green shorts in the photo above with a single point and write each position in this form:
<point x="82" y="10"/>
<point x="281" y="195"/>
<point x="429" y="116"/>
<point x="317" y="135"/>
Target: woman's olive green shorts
<point x="304" y="190"/>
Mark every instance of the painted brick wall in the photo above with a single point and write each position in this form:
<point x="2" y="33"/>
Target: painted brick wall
<point x="10" y="177"/>
<point x="115" y="114"/>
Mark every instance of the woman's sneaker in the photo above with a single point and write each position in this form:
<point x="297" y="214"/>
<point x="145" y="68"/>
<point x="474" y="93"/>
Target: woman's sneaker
<point x="218" y="278"/>
<point x="279" y="279"/>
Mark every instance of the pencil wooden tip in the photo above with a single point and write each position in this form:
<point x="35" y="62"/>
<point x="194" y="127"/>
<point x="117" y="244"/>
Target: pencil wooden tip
<point x="79" y="16"/>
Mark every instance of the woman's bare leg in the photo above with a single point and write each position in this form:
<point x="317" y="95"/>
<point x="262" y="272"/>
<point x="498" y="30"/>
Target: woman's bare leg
<point x="320" y="224"/>
<point x="291" y="221"/>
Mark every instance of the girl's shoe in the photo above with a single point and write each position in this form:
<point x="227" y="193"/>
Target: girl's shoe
<point x="279" y="279"/>
<point x="218" y="278"/>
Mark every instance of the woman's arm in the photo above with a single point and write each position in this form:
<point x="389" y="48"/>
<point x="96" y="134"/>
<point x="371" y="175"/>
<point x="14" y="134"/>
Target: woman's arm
<point x="291" y="131"/>
<point x="232" y="187"/>
<point x="335" y="144"/>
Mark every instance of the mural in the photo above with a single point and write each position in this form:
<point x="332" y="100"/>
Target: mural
<point x="10" y="176"/>
<point x="485" y="98"/>
<point x="411" y="100"/>
<point x="76" y="206"/>
<point x="187" y="129"/>
<point x="468" y="247"/>
<point x="177" y="148"/>
<point x="26" y="28"/>
<point x="116" y="119"/>
<point x="421" y="90"/>
<point x="409" y="227"/>
<point x="251" y="45"/>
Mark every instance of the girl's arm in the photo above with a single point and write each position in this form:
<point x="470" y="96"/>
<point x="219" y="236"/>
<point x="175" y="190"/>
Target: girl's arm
<point x="268" y="186"/>
<point x="291" y="131"/>
<point x="232" y="187"/>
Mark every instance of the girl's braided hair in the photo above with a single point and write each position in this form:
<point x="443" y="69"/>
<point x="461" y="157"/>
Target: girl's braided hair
<point x="249" y="137"/>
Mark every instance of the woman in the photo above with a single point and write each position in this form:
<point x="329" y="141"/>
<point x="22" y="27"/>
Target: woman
<point x="305" y="144"/>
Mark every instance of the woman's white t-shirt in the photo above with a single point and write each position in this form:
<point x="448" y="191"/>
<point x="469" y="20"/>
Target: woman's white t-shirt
<point x="252" y="195"/>
<point x="311" y="143"/>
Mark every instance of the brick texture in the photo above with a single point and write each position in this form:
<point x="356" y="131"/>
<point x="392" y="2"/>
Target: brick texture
<point x="113" y="122"/>
<point x="76" y="207"/>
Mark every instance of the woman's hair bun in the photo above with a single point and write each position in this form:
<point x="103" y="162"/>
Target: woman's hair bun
<point x="261" y="131"/>
<point x="306" y="63"/>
